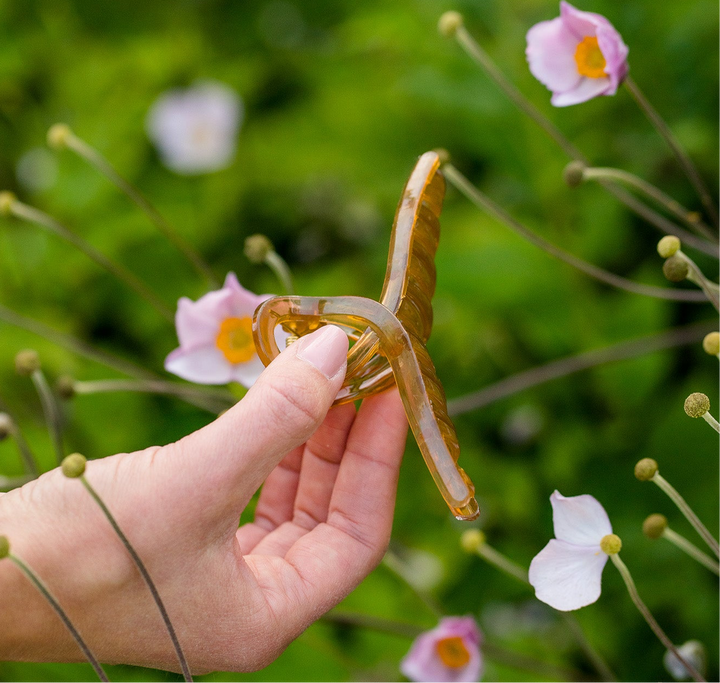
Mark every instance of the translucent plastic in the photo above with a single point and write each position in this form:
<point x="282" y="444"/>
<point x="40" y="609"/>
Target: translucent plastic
<point x="390" y="335"/>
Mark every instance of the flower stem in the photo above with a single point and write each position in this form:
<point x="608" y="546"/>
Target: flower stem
<point x="504" y="564"/>
<point x="33" y="215"/>
<point x="35" y="580"/>
<point x="483" y="202"/>
<point x="278" y="266"/>
<point x="712" y="422"/>
<point x="101" y="164"/>
<point x="51" y="412"/>
<point x="642" y="608"/>
<point x="696" y="276"/>
<point x="687" y="165"/>
<point x="691" y="549"/>
<point x="690" y="218"/>
<point x="393" y="562"/>
<point x="145" y="575"/>
<point x="567" y="366"/>
<point x="687" y="511"/>
<point x="26" y="455"/>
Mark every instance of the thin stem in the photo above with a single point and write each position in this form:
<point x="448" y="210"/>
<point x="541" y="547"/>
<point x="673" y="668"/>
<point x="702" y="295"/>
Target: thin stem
<point x="277" y="264"/>
<point x="100" y="163"/>
<point x="23" y="447"/>
<point x="10" y="483"/>
<point x="642" y="608"/>
<point x="475" y="51"/>
<point x="682" y="505"/>
<point x="712" y="422"/>
<point x="696" y="276"/>
<point x="393" y="562"/>
<point x="690" y="218"/>
<point x="51" y="411"/>
<point x="35" y="580"/>
<point x="691" y="549"/>
<point x="146" y="576"/>
<point x="503" y="563"/>
<point x="220" y="399"/>
<point x="567" y="366"/>
<point x="687" y="165"/>
<point x="483" y="202"/>
<point x="490" y="650"/>
<point x="33" y="215"/>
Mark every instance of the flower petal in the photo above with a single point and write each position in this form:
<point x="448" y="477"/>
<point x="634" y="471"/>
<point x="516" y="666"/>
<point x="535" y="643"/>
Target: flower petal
<point x="581" y="23"/>
<point x="197" y="322"/>
<point x="551" y="55"/>
<point x="586" y="89"/>
<point x="615" y="52"/>
<point x="203" y="365"/>
<point x="567" y="576"/>
<point x="579" y="519"/>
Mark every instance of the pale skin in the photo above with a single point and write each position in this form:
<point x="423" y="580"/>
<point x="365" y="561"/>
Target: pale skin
<point x="236" y="596"/>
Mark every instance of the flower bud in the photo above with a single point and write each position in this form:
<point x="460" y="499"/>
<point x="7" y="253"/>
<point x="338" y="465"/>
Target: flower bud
<point x="654" y="525"/>
<point x="471" y="540"/>
<point x="574" y="173"/>
<point x="449" y="23"/>
<point x="610" y="544"/>
<point x="443" y="155"/>
<point x="6" y="202"/>
<point x="4" y="547"/>
<point x="257" y="247"/>
<point x="73" y="466"/>
<point x="645" y="469"/>
<point x="675" y="268"/>
<point x="668" y="245"/>
<point x="58" y="135"/>
<point x="26" y="362"/>
<point x="697" y="404"/>
<point x="65" y="387"/>
<point x="711" y="343"/>
<point x="6" y="426"/>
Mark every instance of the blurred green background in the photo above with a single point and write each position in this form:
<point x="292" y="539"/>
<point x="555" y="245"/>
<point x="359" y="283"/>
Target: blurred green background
<point x="340" y="99"/>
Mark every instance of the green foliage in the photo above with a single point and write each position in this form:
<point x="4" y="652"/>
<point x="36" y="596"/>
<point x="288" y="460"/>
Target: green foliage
<point x="341" y="98"/>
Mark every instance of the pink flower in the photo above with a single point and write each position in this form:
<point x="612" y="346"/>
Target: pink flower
<point x="450" y="652"/>
<point x="578" y="56"/>
<point x="566" y="573"/>
<point x="216" y="340"/>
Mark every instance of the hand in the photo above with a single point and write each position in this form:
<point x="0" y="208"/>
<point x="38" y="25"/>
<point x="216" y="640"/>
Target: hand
<point x="236" y="596"/>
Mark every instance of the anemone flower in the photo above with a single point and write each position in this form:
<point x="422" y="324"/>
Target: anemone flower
<point x="216" y="340"/>
<point x="449" y="652"/>
<point x="195" y="129"/>
<point x="566" y="573"/>
<point x="578" y="56"/>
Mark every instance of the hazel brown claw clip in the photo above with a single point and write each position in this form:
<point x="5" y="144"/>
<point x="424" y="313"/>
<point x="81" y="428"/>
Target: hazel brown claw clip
<point x="390" y="335"/>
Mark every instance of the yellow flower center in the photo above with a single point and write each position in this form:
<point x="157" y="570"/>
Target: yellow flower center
<point x="452" y="652"/>
<point x="235" y="339"/>
<point x="589" y="59"/>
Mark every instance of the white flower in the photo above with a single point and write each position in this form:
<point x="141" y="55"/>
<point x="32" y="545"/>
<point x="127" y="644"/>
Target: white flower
<point x="566" y="573"/>
<point x="195" y="129"/>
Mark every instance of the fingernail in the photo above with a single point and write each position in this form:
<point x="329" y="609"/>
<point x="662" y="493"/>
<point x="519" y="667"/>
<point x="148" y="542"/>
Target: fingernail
<point x="325" y="349"/>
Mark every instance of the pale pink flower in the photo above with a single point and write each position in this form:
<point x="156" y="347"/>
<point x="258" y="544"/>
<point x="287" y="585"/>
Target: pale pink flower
<point x="449" y="652"/>
<point x="566" y="573"/>
<point x="195" y="129"/>
<point x="578" y="56"/>
<point x="216" y="340"/>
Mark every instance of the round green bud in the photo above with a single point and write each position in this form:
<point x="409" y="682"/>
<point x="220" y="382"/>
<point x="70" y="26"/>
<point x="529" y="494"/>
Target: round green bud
<point x="257" y="247"/>
<point x="6" y="201"/>
<point x="654" y="525"/>
<point x="4" y="547"/>
<point x="610" y="544"/>
<point x="57" y="135"/>
<point x="668" y="245"/>
<point x="697" y="404"/>
<point x="26" y="362"/>
<point x="73" y="466"/>
<point x="471" y="540"/>
<point x="645" y="469"/>
<point x="711" y="343"/>
<point x="443" y="154"/>
<point x="675" y="268"/>
<point x="6" y="426"/>
<point x="449" y="23"/>
<point x="574" y="173"/>
<point x="65" y="387"/>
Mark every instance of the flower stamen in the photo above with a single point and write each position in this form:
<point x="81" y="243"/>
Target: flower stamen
<point x="590" y="59"/>
<point x="452" y="652"/>
<point x="235" y="339"/>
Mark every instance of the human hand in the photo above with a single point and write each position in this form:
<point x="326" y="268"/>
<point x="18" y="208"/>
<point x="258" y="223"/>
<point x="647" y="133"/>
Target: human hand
<point x="236" y="596"/>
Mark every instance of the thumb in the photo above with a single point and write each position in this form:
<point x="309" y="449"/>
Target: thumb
<point x="234" y="454"/>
